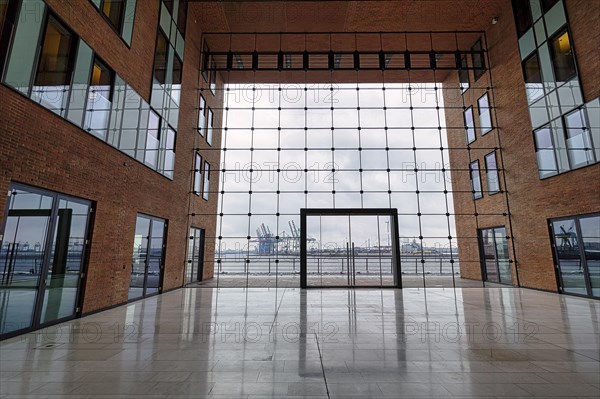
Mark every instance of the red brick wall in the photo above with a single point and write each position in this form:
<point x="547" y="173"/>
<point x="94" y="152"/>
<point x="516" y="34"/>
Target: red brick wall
<point x="44" y="150"/>
<point x="532" y="201"/>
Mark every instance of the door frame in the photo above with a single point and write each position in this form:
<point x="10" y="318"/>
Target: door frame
<point x="394" y="231"/>
<point x="555" y="257"/>
<point x="41" y="287"/>
<point x="482" y="261"/>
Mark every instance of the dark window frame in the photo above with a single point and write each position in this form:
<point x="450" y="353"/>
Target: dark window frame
<point x="198" y="159"/>
<point x="496" y="170"/>
<point x="489" y="109"/>
<point x="478" y="54"/>
<point x="469" y="109"/>
<point x="522" y="9"/>
<point x="159" y="34"/>
<point x="111" y="71"/>
<point x="202" y="112"/>
<point x="206" y="179"/>
<point x="476" y="194"/>
<point x="550" y="41"/>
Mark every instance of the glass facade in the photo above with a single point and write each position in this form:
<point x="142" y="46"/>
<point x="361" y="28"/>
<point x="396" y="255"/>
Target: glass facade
<point x="565" y="128"/>
<point x="63" y="74"/>
<point x="42" y="258"/>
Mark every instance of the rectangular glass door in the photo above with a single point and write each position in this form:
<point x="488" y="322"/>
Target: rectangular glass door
<point x="148" y="257"/>
<point x="349" y="248"/>
<point x="42" y="257"/>
<point x="195" y="268"/>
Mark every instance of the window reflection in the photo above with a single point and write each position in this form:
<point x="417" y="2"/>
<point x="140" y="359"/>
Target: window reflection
<point x="55" y="67"/>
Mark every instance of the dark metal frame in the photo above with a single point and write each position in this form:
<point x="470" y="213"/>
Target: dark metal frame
<point x="39" y="299"/>
<point x="332" y="65"/>
<point x="394" y="230"/>
<point x="482" y="262"/>
<point x="586" y="274"/>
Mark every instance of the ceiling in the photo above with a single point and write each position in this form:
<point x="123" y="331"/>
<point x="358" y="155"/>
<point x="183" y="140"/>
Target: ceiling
<point x="346" y="16"/>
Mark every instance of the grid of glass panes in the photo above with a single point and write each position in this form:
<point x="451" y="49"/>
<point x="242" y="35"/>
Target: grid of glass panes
<point x="287" y="147"/>
<point x="565" y="138"/>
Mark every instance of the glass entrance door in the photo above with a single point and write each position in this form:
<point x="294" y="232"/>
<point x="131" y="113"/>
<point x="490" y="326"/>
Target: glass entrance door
<point x="148" y="257"/>
<point x="195" y="267"/>
<point x="495" y="261"/>
<point x="349" y="248"/>
<point x="41" y="258"/>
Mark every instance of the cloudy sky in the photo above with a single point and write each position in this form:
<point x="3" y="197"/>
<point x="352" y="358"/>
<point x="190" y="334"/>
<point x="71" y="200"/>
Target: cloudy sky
<point x="375" y="181"/>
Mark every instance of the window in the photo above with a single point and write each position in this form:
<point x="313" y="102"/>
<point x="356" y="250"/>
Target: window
<point x="533" y="78"/>
<point x="463" y="75"/>
<point x="213" y="79"/>
<point x="114" y="11"/>
<point x="99" y="98"/>
<point x="523" y="18"/>
<point x="169" y="5"/>
<point x="160" y="58"/>
<point x="55" y="67"/>
<point x="152" y="140"/>
<point x="201" y="115"/>
<point x="544" y="149"/>
<point x="205" y="52"/>
<point x="491" y="169"/>
<point x="177" y="70"/>
<point x="478" y="60"/>
<point x="169" y="164"/>
<point x="56" y="60"/>
<point x="579" y="142"/>
<point x="563" y="59"/>
<point x="182" y="16"/>
<point x="209" y="129"/>
<point x="8" y="10"/>
<point x="476" y="180"/>
<point x="469" y="125"/>
<point x="3" y="12"/>
<point x="485" y="116"/>
<point x="197" y="173"/>
<point x="548" y="4"/>
<point x="206" y="180"/>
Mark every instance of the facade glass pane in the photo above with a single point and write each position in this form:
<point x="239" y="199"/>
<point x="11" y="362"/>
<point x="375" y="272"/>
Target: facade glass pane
<point x="578" y="140"/>
<point x="590" y="239"/>
<point x="485" y="116"/>
<point x="545" y="152"/>
<point x="563" y="59"/>
<point x="491" y="167"/>
<point x="568" y="256"/>
<point x="470" y="125"/>
<point x="55" y="66"/>
<point x="476" y="180"/>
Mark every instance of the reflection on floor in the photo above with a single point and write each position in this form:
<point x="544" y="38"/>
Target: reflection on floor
<point x="293" y="281"/>
<point x="234" y="343"/>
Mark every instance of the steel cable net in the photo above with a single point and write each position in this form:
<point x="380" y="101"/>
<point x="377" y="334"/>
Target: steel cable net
<point x="356" y="139"/>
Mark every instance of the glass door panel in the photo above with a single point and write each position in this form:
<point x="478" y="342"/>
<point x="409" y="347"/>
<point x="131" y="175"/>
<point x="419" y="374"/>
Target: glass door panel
<point x="590" y="237"/>
<point x="328" y="257"/>
<point x="504" y="272"/>
<point x="22" y="258"/>
<point x="488" y="248"/>
<point x="140" y="257"/>
<point x="66" y="261"/>
<point x="364" y="249"/>
<point x="568" y="256"/>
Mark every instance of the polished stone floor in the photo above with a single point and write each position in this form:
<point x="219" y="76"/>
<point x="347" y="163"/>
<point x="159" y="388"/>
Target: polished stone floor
<point x="254" y="343"/>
